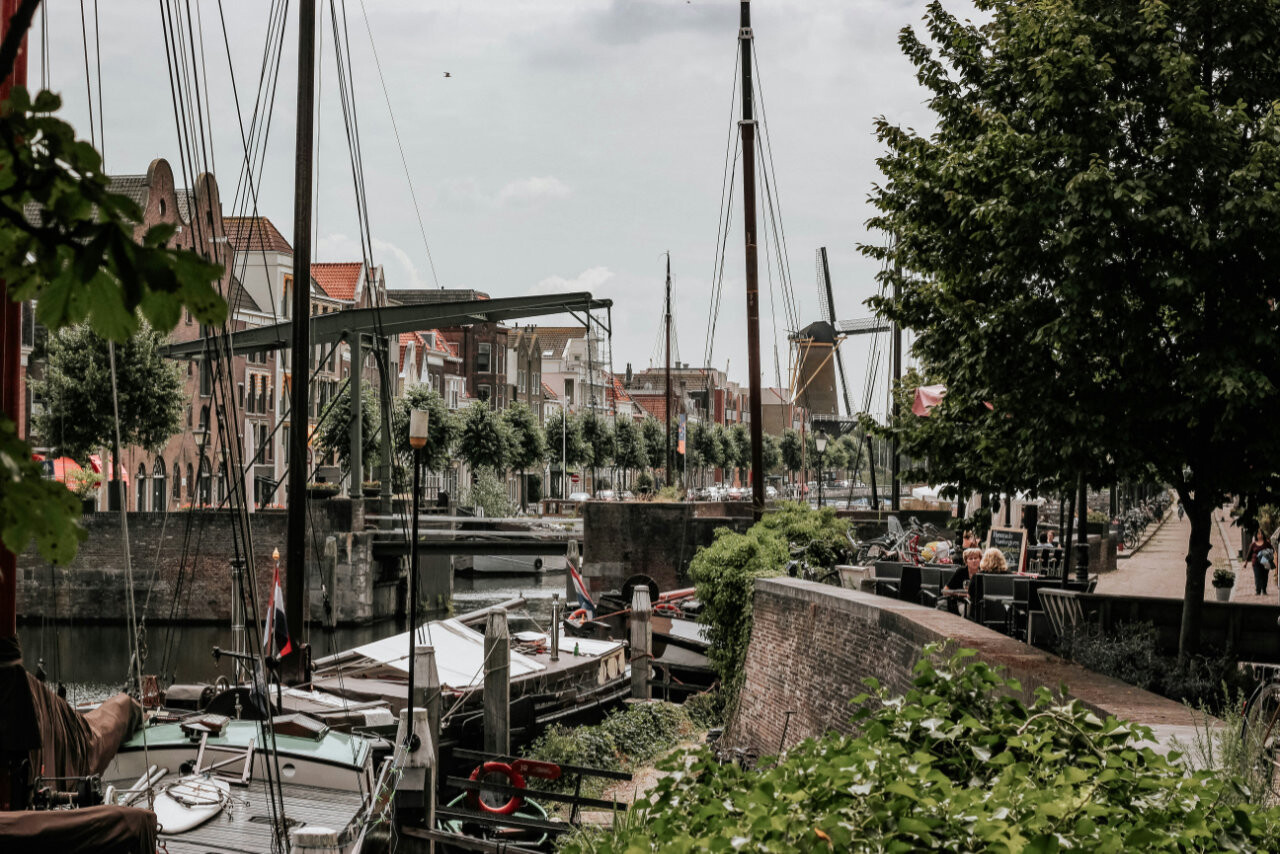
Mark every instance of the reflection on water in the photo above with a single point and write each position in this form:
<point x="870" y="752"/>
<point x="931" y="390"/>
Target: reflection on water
<point x="93" y="659"/>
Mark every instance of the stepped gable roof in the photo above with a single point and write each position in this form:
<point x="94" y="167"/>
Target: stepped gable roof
<point x="433" y="296"/>
<point x="548" y="394"/>
<point x="338" y="279"/>
<point x="255" y="234"/>
<point x="614" y="392"/>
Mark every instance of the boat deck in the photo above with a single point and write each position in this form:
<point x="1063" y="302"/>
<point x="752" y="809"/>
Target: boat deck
<point x="244" y="827"/>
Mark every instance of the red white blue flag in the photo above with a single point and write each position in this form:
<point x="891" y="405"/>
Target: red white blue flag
<point x="580" y="588"/>
<point x="275" y="639"/>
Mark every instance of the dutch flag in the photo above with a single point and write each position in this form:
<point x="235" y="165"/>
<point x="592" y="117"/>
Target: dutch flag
<point x="276" y="634"/>
<point x="580" y="588"/>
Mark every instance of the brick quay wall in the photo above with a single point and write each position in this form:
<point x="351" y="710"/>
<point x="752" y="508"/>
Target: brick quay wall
<point x="182" y="567"/>
<point x="812" y="645"/>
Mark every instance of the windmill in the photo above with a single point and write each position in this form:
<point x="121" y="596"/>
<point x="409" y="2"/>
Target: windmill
<point x="817" y="358"/>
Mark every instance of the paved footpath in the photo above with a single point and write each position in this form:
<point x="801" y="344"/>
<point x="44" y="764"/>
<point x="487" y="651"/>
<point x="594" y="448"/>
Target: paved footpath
<point x="1159" y="567"/>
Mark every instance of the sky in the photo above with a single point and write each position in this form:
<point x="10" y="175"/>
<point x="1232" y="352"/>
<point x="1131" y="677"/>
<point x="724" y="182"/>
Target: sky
<point x="571" y="145"/>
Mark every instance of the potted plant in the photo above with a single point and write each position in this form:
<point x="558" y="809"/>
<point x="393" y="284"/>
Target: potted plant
<point x="322" y="490"/>
<point x="1223" y="580"/>
<point x="371" y="488"/>
<point x="85" y="484"/>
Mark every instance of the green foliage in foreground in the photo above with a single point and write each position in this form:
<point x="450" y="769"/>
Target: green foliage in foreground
<point x="957" y="764"/>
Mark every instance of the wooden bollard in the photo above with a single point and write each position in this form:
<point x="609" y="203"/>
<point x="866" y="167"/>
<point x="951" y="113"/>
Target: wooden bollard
<point x="416" y="787"/>
<point x="497" y="684"/>
<point x="641" y="642"/>
<point x="555" y="627"/>
<point x="427" y="678"/>
<point x="314" y="840"/>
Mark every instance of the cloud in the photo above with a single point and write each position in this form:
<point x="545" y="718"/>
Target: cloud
<point x="590" y="279"/>
<point x="411" y="278"/>
<point x="528" y="190"/>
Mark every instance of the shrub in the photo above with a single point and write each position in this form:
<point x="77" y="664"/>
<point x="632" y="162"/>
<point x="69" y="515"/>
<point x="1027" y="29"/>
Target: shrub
<point x="84" y="483"/>
<point x="819" y="531"/>
<point x="625" y="738"/>
<point x="724" y="574"/>
<point x="707" y="709"/>
<point x="958" y="763"/>
<point x="1132" y="655"/>
<point x="1223" y="577"/>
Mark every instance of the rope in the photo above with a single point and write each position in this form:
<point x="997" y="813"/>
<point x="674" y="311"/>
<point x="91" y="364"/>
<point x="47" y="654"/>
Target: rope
<point x="128" y="562"/>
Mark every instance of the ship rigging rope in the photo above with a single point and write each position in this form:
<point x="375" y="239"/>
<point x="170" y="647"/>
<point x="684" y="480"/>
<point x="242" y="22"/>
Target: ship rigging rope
<point x="728" y="173"/>
<point x="194" y="136"/>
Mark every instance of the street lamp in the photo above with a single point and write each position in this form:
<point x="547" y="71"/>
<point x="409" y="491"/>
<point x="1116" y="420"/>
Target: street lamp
<point x="820" y="442"/>
<point x="418" y="420"/>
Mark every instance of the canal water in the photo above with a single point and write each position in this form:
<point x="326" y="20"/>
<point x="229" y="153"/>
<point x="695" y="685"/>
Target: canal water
<point x="93" y="658"/>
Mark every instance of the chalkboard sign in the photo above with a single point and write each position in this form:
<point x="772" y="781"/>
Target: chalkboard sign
<point x="1011" y="541"/>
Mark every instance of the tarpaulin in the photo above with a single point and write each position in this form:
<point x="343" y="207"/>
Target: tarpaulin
<point x="92" y="830"/>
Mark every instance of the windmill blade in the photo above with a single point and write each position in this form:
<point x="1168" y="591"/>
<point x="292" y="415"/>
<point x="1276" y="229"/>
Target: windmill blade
<point x="862" y="326"/>
<point x="826" y="310"/>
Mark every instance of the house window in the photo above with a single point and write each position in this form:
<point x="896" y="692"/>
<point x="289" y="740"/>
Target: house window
<point x="240" y="392"/>
<point x="521" y="377"/>
<point x="253" y="393"/>
<point x="484" y="358"/>
<point x="568" y="392"/>
<point x="484" y="392"/>
<point x="142" y="487"/>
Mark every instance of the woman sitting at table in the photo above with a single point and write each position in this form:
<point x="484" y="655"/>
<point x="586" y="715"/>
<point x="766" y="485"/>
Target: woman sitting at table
<point x="993" y="561"/>
<point x="955" y="589"/>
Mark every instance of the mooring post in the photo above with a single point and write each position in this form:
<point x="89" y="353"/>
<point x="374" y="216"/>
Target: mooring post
<point x="555" y="626"/>
<point x="641" y="642"/>
<point x="497" y="684"/>
<point x="315" y="840"/>
<point x="329" y="573"/>
<point x="427" y="678"/>
<point x="416" y="790"/>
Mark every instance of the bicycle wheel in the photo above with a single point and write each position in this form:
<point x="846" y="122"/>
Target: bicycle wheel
<point x="1260" y="732"/>
<point x="1131" y="538"/>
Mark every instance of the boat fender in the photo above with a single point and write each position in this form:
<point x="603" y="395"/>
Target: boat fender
<point x="537" y="563"/>
<point x="514" y="778"/>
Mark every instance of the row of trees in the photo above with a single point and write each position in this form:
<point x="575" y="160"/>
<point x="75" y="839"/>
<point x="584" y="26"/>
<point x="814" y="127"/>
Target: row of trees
<point x="514" y="441"/>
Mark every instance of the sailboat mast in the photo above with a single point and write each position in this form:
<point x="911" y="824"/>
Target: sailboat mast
<point x="670" y="463"/>
<point x="748" y="129"/>
<point x="296" y="541"/>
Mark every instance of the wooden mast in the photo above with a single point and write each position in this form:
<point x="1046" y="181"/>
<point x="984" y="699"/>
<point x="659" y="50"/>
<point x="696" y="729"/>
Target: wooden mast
<point x="747" y="128"/>
<point x="296" y="542"/>
<point x="669" y="461"/>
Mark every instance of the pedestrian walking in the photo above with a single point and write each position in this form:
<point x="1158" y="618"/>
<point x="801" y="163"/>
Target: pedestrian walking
<point x="1261" y="558"/>
<point x="1180" y="511"/>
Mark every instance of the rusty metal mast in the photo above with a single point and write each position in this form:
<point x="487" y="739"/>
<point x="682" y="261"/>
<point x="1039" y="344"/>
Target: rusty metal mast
<point x="747" y="128"/>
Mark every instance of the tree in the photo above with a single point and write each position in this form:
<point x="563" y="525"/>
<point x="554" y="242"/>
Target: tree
<point x="629" y="447"/>
<point x="564" y="443"/>
<point x="738" y="450"/>
<point x="334" y="434"/>
<point x="597" y="443"/>
<point x="792" y="452"/>
<point x="528" y="448"/>
<point x="80" y="262"/>
<point x="771" y="453"/>
<point x="442" y="432"/>
<point x="1083" y="248"/>
<point x="483" y="440"/>
<point x="78" y="416"/>
<point x="655" y="443"/>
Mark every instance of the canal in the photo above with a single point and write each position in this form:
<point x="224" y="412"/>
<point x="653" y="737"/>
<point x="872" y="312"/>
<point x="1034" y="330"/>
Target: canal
<point x="93" y="658"/>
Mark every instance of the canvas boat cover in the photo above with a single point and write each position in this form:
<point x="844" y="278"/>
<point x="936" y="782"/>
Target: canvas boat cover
<point x="92" y="830"/>
<point x="459" y="655"/>
<point x="61" y="741"/>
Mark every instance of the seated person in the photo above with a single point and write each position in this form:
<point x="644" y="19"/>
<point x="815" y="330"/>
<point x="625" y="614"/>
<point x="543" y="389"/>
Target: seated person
<point x="955" y="588"/>
<point x="993" y="561"/>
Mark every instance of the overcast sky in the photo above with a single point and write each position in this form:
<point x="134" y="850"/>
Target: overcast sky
<point x="574" y="142"/>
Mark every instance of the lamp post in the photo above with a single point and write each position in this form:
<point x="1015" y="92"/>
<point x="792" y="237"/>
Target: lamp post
<point x="820" y="442"/>
<point x="418" y="420"/>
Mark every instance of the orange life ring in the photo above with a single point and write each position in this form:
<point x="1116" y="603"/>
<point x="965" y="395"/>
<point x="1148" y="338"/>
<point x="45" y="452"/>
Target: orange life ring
<point x="477" y="802"/>
<point x="667" y="608"/>
<point x="578" y="616"/>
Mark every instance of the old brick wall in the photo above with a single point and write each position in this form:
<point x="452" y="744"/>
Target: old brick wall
<point x="197" y="587"/>
<point x="812" y="646"/>
<point x="657" y="539"/>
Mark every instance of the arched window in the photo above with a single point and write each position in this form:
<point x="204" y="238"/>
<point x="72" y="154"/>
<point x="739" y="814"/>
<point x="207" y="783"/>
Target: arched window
<point x="177" y="482"/>
<point x="159" y="497"/>
<point x="141" y="487"/>
<point x="204" y="419"/>
<point x="191" y="485"/>
<point x="205" y="484"/>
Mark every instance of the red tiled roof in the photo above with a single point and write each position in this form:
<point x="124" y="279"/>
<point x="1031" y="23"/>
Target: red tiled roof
<point x="654" y="404"/>
<point x="615" y="391"/>
<point x="338" y="279"/>
<point x="548" y="394"/>
<point x="255" y="234"/>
